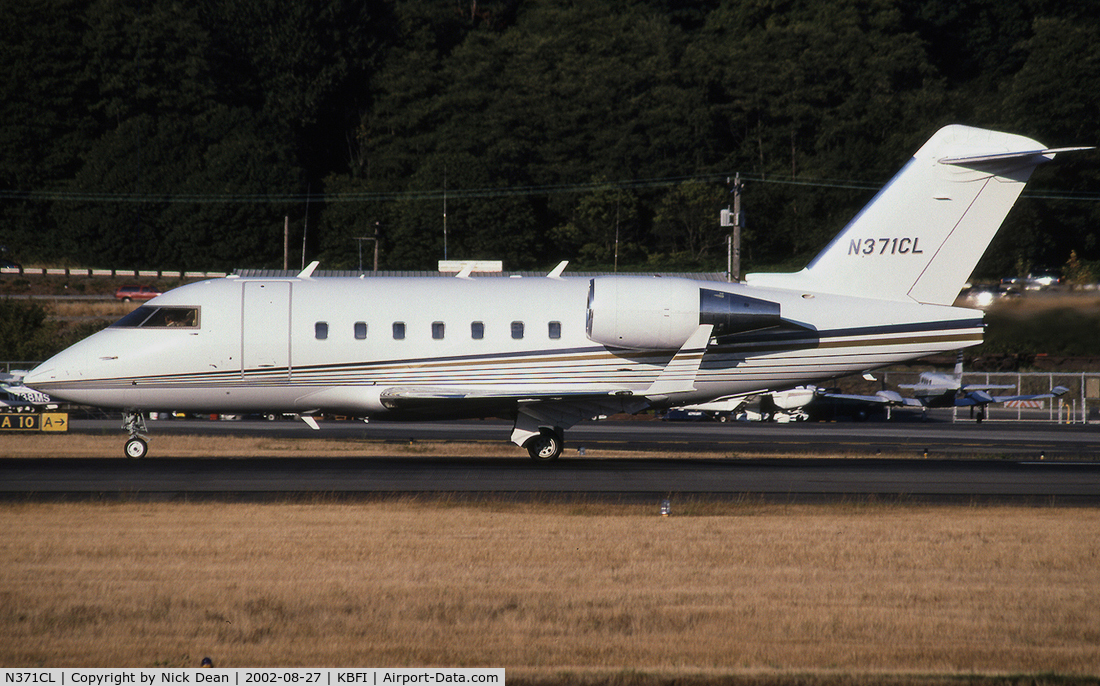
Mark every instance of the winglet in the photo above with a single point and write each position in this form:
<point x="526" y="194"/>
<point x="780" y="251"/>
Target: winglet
<point x="555" y="273"/>
<point x="679" y="374"/>
<point x="467" y="269"/>
<point x="310" y="421"/>
<point x="308" y="271"/>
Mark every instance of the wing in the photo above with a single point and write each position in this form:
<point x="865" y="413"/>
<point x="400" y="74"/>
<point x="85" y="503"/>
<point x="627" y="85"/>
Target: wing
<point x="532" y="411"/>
<point x="535" y="410"/>
<point x="882" y="398"/>
<point x="987" y="387"/>
<point x="983" y="398"/>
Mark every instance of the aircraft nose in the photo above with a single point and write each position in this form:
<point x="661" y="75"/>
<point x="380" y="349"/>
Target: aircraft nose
<point x="37" y="375"/>
<point x="47" y="374"/>
<point x="57" y="372"/>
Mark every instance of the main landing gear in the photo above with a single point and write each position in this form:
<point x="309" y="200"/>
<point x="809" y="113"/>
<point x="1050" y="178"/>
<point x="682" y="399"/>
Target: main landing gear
<point x="547" y="445"/>
<point x="138" y="443"/>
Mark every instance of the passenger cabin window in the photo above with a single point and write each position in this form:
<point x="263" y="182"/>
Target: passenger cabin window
<point x="437" y="330"/>
<point x="555" y="330"/>
<point x="477" y="330"/>
<point x="146" y="317"/>
<point x="517" y="330"/>
<point x="360" y="330"/>
<point x="398" y="331"/>
<point x="320" y="330"/>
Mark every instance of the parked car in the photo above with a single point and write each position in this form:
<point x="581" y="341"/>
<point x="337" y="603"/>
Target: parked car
<point x="128" y="293"/>
<point x="1042" y="280"/>
<point x="982" y="296"/>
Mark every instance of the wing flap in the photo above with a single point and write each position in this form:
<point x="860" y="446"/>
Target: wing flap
<point x="399" y="397"/>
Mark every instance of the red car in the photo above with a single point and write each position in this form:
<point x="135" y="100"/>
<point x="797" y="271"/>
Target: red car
<point x="128" y="293"/>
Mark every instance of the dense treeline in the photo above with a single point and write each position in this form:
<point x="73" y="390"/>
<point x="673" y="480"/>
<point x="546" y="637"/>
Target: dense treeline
<point x="180" y="134"/>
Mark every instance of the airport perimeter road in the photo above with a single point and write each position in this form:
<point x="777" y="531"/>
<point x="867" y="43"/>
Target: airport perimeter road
<point x="1017" y="440"/>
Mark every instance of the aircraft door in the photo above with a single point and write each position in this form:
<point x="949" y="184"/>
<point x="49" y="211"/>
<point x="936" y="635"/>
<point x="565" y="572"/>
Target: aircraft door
<point x="265" y="326"/>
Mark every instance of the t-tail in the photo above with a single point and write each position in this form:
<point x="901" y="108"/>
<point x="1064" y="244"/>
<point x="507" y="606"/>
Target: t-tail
<point x="922" y="235"/>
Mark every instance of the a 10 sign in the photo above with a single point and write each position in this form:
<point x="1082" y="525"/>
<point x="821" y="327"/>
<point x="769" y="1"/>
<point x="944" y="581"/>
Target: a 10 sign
<point x="47" y="421"/>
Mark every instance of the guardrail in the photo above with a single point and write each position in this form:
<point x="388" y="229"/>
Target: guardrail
<point x="128" y="273"/>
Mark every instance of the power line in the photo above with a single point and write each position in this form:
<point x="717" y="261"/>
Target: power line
<point x="466" y="194"/>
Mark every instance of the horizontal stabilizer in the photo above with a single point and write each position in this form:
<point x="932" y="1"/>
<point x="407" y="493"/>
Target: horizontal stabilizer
<point x="1048" y="153"/>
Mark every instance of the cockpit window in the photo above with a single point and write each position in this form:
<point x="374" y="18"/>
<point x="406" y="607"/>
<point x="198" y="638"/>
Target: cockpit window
<point x="146" y="317"/>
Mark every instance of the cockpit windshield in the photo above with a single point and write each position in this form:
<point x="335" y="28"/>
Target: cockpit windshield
<point x="146" y="317"/>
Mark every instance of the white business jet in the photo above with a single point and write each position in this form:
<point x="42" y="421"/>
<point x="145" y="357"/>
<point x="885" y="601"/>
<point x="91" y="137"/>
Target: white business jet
<point x="553" y="351"/>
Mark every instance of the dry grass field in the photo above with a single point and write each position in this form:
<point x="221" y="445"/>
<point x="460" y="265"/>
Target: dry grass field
<point x="558" y="593"/>
<point x="175" y="446"/>
<point x="107" y="309"/>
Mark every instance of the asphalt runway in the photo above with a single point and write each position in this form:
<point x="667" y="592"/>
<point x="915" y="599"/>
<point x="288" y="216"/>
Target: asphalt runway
<point x="1002" y="462"/>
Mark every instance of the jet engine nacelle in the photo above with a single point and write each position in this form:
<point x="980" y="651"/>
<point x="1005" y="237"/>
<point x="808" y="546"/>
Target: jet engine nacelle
<point x="644" y="313"/>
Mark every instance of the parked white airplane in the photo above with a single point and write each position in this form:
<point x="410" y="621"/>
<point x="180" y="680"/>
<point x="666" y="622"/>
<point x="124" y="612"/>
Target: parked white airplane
<point x="776" y="406"/>
<point x="15" y="397"/>
<point x="936" y="389"/>
<point x="553" y="351"/>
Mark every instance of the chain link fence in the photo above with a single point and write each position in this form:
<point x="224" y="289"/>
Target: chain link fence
<point x="1079" y="405"/>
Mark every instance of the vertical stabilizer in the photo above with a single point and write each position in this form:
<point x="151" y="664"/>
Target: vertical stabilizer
<point x="922" y="235"/>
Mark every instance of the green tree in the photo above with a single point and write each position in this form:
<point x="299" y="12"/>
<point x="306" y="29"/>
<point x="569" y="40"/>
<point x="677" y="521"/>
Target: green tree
<point x="1045" y="99"/>
<point x="604" y="229"/>
<point x="687" y="220"/>
<point x="45" y="127"/>
<point x="815" y="92"/>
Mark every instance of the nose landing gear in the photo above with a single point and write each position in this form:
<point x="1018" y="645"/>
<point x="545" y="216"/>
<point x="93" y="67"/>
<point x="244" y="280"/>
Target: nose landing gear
<point x="138" y="443"/>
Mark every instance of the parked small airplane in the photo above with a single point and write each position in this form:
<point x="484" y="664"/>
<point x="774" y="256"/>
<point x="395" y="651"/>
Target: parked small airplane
<point x="553" y="351"/>
<point x="16" y="397"/>
<point x="775" y="406"/>
<point x="936" y="389"/>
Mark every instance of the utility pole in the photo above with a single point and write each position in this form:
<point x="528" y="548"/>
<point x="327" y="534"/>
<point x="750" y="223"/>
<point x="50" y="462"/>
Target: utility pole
<point x="444" y="213"/>
<point x="360" y="239"/>
<point x="734" y="219"/>
<point x="305" y="228"/>
<point x="376" y="225"/>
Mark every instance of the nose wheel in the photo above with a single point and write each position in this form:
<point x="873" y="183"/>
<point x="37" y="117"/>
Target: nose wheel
<point x="138" y="443"/>
<point x="136" y="448"/>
